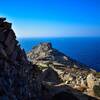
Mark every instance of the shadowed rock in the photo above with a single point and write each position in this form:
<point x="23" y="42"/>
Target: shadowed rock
<point x="19" y="79"/>
<point x="16" y="72"/>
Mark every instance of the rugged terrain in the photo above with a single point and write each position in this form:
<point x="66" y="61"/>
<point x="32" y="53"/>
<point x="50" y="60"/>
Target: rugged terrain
<point x="21" y="79"/>
<point x="59" y="69"/>
<point x="16" y="72"/>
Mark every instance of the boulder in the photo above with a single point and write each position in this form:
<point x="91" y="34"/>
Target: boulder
<point x="67" y="77"/>
<point x="79" y="88"/>
<point x="90" y="92"/>
<point x="83" y="84"/>
<point x="49" y="75"/>
<point x="90" y="81"/>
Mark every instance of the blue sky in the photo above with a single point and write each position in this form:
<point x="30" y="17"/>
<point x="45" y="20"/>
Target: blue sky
<point x="53" y="18"/>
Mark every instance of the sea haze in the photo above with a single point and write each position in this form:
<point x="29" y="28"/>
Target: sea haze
<point x="85" y="50"/>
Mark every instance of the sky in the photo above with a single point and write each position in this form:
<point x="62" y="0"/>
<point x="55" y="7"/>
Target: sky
<point x="53" y="18"/>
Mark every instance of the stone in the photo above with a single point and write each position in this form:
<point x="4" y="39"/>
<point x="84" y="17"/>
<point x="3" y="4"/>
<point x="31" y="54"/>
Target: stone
<point x="3" y="53"/>
<point x="75" y="66"/>
<point x="90" y="92"/>
<point x="6" y="25"/>
<point x="65" y="58"/>
<point x="49" y="75"/>
<point x="79" y="88"/>
<point x="3" y="34"/>
<point x="67" y="77"/>
<point x="90" y="81"/>
<point x="10" y="42"/>
<point x="46" y="46"/>
<point x="12" y="47"/>
<point x="2" y="19"/>
<point x="83" y="84"/>
<point x="14" y="55"/>
<point x="96" y="90"/>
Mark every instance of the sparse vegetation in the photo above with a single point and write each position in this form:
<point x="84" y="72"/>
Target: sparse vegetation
<point x="97" y="90"/>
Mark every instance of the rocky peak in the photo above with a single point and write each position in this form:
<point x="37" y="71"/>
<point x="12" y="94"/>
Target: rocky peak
<point x="69" y="71"/>
<point x="45" y="46"/>
<point x="16" y="72"/>
<point x="45" y="53"/>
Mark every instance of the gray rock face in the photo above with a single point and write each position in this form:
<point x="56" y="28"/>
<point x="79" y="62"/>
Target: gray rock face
<point x="45" y="51"/>
<point x="16" y="72"/>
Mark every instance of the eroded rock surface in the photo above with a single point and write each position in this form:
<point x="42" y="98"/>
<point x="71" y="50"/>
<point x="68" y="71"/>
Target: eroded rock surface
<point x="17" y="74"/>
<point x="70" y="72"/>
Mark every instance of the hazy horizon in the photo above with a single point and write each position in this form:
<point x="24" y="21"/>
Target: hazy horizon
<point x="59" y="37"/>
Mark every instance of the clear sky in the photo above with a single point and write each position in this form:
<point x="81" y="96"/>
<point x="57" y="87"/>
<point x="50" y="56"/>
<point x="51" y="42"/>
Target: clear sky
<point x="53" y="18"/>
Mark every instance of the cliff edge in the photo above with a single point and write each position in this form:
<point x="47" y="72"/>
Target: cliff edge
<point x="22" y="80"/>
<point x="16" y="72"/>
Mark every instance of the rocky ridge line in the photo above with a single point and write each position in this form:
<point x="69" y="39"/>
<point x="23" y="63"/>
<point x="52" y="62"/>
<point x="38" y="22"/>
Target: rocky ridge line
<point x="61" y="69"/>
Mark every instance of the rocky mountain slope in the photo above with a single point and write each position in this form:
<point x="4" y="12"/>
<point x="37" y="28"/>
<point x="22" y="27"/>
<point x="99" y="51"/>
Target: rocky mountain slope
<point x="22" y="80"/>
<point x="16" y="72"/>
<point x="61" y="69"/>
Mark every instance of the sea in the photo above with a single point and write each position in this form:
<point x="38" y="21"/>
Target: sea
<point x="83" y="49"/>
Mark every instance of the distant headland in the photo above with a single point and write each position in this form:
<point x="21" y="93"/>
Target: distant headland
<point x="43" y="74"/>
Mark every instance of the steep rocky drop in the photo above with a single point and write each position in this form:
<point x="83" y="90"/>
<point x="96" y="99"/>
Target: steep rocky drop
<point x="22" y="80"/>
<point x="17" y="74"/>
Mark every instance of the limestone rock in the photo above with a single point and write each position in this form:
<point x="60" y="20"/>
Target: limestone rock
<point x="90" y="92"/>
<point x="90" y="81"/>
<point x="45" y="52"/>
<point x="83" y="84"/>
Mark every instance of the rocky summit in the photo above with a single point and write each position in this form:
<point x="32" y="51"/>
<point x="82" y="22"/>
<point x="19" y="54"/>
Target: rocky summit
<point x="41" y="77"/>
<point x="44" y="54"/>
<point x="58" y="69"/>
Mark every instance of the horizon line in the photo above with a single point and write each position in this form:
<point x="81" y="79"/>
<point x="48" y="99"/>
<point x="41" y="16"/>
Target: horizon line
<point x="64" y="37"/>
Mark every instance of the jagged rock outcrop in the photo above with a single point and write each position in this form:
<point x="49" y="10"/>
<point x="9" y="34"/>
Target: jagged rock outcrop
<point x="70" y="72"/>
<point x="51" y="76"/>
<point x="20" y="79"/>
<point x="16" y="72"/>
<point x="45" y="53"/>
